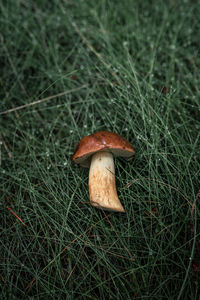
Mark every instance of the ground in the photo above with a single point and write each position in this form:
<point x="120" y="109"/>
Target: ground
<point x="69" y="68"/>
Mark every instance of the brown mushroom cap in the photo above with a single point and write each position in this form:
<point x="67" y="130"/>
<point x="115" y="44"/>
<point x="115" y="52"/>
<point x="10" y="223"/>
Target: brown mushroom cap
<point x="102" y="141"/>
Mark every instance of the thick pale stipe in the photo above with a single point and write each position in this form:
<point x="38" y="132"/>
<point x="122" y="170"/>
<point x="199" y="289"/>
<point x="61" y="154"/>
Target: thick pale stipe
<point x="102" y="188"/>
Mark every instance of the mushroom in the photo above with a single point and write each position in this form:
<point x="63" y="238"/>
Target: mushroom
<point x="96" y="152"/>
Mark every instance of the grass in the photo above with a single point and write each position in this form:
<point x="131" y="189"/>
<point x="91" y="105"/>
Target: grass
<point x="131" y="67"/>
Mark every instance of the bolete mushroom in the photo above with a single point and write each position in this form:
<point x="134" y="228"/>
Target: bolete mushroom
<point x="96" y="152"/>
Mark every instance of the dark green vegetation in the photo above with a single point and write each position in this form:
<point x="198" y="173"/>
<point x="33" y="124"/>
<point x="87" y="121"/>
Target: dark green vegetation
<point x="134" y="69"/>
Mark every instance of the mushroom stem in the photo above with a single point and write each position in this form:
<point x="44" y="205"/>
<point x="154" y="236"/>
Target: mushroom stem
<point x="102" y="188"/>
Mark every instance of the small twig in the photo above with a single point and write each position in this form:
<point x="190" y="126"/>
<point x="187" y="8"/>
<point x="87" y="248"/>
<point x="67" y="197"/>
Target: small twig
<point x="16" y="114"/>
<point x="15" y="215"/>
<point x="2" y="278"/>
<point x="5" y="146"/>
<point x="108" y="66"/>
<point x="167" y="227"/>
<point x="43" y="100"/>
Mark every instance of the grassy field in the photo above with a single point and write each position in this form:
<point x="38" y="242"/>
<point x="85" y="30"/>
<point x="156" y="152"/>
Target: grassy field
<point x="67" y="69"/>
